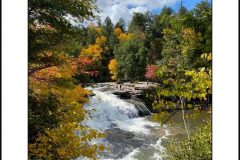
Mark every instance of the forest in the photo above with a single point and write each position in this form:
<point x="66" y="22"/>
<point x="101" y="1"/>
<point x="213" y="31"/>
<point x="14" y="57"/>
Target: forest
<point x="70" y="47"/>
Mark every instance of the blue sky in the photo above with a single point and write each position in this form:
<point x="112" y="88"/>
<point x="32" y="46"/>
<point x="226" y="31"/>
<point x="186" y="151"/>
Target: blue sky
<point x="116" y="9"/>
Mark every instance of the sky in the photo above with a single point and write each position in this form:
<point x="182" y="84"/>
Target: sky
<point x="117" y="9"/>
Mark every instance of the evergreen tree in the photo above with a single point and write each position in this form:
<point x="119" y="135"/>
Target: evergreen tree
<point x="121" y="24"/>
<point x="131" y="57"/>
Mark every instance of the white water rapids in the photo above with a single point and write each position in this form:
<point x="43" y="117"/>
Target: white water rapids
<point x="130" y="136"/>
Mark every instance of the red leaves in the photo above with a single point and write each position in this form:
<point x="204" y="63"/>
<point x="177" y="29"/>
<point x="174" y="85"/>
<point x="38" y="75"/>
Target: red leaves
<point x="84" y="65"/>
<point x="151" y="70"/>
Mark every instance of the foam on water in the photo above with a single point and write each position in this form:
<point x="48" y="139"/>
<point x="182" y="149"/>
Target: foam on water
<point x="131" y="155"/>
<point x="110" y="112"/>
<point x="113" y="112"/>
<point x="137" y="125"/>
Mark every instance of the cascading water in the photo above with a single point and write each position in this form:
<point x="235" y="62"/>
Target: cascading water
<point x="128" y="133"/>
<point x="109" y="110"/>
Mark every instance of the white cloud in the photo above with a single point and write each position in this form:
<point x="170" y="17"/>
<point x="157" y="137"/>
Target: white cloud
<point x="117" y="9"/>
<point x="139" y="9"/>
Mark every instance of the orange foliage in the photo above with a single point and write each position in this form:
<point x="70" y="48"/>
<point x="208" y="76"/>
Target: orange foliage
<point x="118" y="31"/>
<point x="82" y="65"/>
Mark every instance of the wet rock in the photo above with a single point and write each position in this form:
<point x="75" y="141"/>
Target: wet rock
<point x="142" y="109"/>
<point x="122" y="142"/>
<point x="92" y="94"/>
<point x="122" y="94"/>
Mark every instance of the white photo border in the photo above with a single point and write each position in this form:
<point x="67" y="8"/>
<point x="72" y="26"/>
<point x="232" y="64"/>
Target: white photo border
<point x="225" y="79"/>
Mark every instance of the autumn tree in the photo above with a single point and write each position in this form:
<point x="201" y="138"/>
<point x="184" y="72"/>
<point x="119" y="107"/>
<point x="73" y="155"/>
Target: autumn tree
<point x="56" y="112"/>
<point x="113" y="68"/>
<point x="121" y="35"/>
<point x="151" y="72"/>
<point x="51" y="24"/>
<point x="55" y="101"/>
<point x="92" y="33"/>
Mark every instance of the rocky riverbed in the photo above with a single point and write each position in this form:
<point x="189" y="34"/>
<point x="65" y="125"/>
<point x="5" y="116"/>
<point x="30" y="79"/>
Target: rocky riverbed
<point x="131" y="132"/>
<point x="126" y="90"/>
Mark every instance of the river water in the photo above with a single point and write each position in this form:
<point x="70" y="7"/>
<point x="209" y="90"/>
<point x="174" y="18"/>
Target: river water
<point x="129" y="136"/>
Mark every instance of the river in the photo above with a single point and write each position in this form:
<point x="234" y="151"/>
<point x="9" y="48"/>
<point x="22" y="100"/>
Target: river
<point x="130" y="136"/>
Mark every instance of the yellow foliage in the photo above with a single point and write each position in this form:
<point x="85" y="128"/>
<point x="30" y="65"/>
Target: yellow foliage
<point x="95" y="51"/>
<point x="122" y="36"/>
<point x="92" y="51"/>
<point x="118" y="31"/>
<point x="56" y="113"/>
<point x="99" y="30"/>
<point x="125" y="37"/>
<point x="101" y="40"/>
<point x="206" y="56"/>
<point x="191" y="40"/>
<point x="113" y="67"/>
<point x="66" y="144"/>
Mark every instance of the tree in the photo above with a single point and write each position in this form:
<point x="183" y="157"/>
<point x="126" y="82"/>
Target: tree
<point x="51" y="23"/>
<point x="189" y="46"/>
<point x="131" y="56"/>
<point x="122" y="36"/>
<point x="199" y="146"/>
<point x="92" y="34"/>
<point x="151" y="72"/>
<point x="96" y="54"/>
<point x="183" y="19"/>
<point x="113" y="67"/>
<point x="107" y="27"/>
<point x="56" y="102"/>
<point x="182" y="48"/>
<point x="170" y="50"/>
<point x="165" y="17"/>
<point x="121" y="24"/>
<point x="56" y="109"/>
<point x="203" y="13"/>
<point x="139" y="22"/>
<point x="154" y="40"/>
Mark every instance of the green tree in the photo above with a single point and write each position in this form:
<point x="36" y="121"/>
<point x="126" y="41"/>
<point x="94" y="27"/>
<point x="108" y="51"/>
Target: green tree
<point x="170" y="50"/>
<point x="107" y="27"/>
<point x="154" y="39"/>
<point x="52" y="24"/>
<point x="131" y="57"/>
<point x="121" y="24"/>
<point x="92" y="35"/>
<point x="183" y="19"/>
<point x="165" y="17"/>
<point x="199" y="146"/>
<point x="139" y="22"/>
<point x="203" y="14"/>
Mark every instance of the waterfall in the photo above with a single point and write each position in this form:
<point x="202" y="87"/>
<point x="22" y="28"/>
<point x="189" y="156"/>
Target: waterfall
<point x="142" y="109"/>
<point x="130" y="133"/>
<point x="109" y="111"/>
